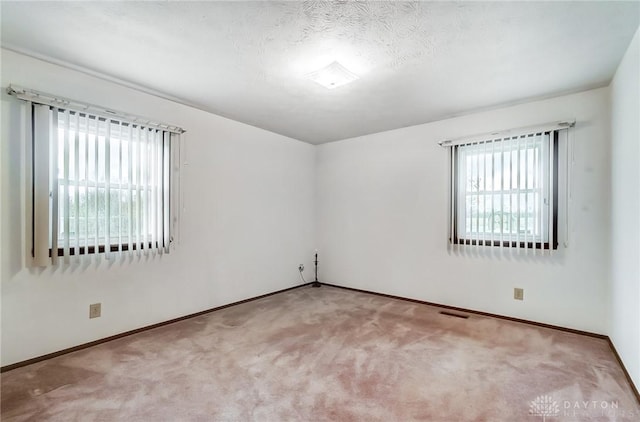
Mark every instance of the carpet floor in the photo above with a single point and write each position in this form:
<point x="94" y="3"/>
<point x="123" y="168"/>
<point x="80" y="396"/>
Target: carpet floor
<point x="328" y="354"/>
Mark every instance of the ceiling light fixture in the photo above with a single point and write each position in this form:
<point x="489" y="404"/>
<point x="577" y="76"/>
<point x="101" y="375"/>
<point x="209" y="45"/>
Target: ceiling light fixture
<point x="332" y="76"/>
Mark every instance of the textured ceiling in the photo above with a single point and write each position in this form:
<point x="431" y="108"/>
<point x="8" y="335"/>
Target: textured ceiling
<point x="417" y="61"/>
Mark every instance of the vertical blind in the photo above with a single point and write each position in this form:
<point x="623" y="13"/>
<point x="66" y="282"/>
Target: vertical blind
<point x="100" y="185"/>
<point x="502" y="195"/>
<point x="504" y="189"/>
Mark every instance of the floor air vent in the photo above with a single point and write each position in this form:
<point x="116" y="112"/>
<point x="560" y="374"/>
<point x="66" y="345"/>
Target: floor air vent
<point x="454" y="315"/>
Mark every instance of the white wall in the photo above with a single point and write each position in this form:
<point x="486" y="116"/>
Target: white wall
<point x="625" y="210"/>
<point x="382" y="213"/>
<point x="248" y="223"/>
<point x="255" y="201"/>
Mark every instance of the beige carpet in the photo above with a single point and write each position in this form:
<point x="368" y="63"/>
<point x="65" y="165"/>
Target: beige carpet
<point x="328" y="354"/>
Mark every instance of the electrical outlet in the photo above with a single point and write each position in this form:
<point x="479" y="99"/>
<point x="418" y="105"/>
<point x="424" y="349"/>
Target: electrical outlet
<point x="95" y="310"/>
<point x="301" y="267"/>
<point x="518" y="293"/>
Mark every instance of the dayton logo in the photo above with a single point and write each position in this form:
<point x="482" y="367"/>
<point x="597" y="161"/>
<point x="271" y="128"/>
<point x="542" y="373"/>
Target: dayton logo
<point x="544" y="406"/>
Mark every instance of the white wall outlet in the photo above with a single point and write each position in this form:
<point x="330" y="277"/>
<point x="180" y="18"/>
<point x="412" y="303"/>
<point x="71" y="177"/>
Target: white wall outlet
<point x="301" y="267"/>
<point x="518" y="293"/>
<point x="95" y="310"/>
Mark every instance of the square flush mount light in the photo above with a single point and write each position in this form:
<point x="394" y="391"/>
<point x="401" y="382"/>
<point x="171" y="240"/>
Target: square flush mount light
<point x="332" y="76"/>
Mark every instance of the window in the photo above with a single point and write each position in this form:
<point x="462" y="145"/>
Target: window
<point x="99" y="184"/>
<point x="504" y="192"/>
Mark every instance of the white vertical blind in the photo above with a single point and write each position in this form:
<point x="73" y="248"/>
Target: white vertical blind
<point x="76" y="176"/>
<point x="476" y="182"/>
<point x="501" y="190"/>
<point x="107" y="189"/>
<point x="159" y="164"/>
<point x="518" y="197"/>
<point x="129" y="188"/>
<point x="100" y="185"/>
<point x="527" y="234"/>
<point x="539" y="193"/>
<point x="42" y="177"/>
<point x="29" y="184"/>
<point x="484" y="193"/>
<point x="550" y="209"/>
<point x="54" y="167"/>
<point x="84" y="128"/>
<point x="493" y="205"/>
<point x="145" y="192"/>
<point x="153" y="169"/>
<point x="66" y="202"/>
<point x="121" y="139"/>
<point x="139" y="240"/>
<point x="452" y="192"/>
<point x="96" y="191"/>
<point x="513" y="203"/>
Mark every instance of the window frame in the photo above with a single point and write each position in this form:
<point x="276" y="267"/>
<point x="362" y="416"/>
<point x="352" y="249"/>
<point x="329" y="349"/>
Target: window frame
<point x="65" y="181"/>
<point x="44" y="175"/>
<point x="550" y="171"/>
